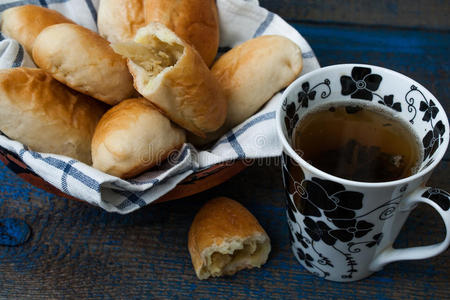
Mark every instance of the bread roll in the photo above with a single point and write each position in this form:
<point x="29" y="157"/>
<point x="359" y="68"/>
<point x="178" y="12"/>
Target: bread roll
<point x="24" y="23"/>
<point x="173" y="76"/>
<point x="225" y="238"/>
<point x="251" y="73"/>
<point x="83" y="60"/>
<point x="45" y="115"/>
<point x="118" y="20"/>
<point x="132" y="137"/>
<point x="195" y="21"/>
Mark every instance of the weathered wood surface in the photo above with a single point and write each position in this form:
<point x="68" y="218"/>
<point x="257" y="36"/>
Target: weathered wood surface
<point x="430" y="14"/>
<point x="78" y="251"/>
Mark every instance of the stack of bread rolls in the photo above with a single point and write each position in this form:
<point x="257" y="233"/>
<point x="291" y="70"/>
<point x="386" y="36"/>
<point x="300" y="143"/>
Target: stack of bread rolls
<point x="150" y="68"/>
<point x="123" y="99"/>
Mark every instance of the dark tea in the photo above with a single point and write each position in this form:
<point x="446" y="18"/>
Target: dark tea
<point x="357" y="143"/>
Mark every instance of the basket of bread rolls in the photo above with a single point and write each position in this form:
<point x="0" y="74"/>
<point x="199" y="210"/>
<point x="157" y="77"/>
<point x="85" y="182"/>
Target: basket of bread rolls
<point x="123" y="103"/>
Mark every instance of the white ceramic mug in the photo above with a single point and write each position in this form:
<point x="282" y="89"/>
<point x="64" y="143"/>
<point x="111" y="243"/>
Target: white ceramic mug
<point x="344" y="230"/>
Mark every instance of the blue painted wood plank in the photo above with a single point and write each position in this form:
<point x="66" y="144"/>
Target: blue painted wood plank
<point x="13" y="232"/>
<point x="430" y="14"/>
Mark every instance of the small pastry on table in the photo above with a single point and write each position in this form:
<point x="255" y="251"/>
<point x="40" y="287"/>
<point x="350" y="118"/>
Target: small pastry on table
<point x="225" y="238"/>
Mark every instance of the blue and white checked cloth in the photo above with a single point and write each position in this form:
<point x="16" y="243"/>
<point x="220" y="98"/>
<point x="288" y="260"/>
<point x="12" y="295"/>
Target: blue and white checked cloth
<point x="240" y="20"/>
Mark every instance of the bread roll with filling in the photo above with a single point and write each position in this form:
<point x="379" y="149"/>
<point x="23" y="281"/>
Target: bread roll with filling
<point x="172" y="75"/>
<point x="83" y="60"/>
<point x="195" y="21"/>
<point x="250" y="74"/>
<point x="132" y="137"/>
<point x="45" y="115"/>
<point x="24" y="23"/>
<point x="118" y="20"/>
<point x="225" y="238"/>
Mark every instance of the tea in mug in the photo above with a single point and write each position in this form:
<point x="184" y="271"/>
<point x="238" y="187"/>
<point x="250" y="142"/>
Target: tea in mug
<point x="358" y="143"/>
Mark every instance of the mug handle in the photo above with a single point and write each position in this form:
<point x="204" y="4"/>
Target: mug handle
<point x="440" y="201"/>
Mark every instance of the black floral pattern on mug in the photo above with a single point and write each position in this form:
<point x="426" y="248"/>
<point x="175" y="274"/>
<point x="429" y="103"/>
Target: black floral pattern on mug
<point x="389" y="102"/>
<point x="376" y="240"/>
<point x="328" y="196"/>
<point x="361" y="84"/>
<point x="319" y="231"/>
<point x="291" y="237"/>
<point x="290" y="211"/>
<point x="305" y="257"/>
<point x="350" y="229"/>
<point x="430" y="110"/>
<point x="305" y="95"/>
<point x="291" y="118"/>
<point x="433" y="139"/>
<point x="342" y="229"/>
<point x="301" y="239"/>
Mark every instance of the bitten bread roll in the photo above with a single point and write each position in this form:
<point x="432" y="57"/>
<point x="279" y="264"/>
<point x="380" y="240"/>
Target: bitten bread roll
<point x="118" y="20"/>
<point x="195" y="21"/>
<point x="24" y="23"/>
<point x="83" y="60"/>
<point x="45" y="115"/>
<point x="132" y="137"/>
<point x="225" y="238"/>
<point x="173" y="76"/>
<point x="251" y="73"/>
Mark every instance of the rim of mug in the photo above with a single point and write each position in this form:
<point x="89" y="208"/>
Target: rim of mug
<point x="287" y="147"/>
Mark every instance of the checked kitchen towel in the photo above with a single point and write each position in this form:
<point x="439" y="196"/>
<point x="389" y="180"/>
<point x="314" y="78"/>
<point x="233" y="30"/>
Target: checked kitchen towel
<point x="240" y="20"/>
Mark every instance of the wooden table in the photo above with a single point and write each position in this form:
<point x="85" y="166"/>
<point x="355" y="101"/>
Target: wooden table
<point x="80" y="251"/>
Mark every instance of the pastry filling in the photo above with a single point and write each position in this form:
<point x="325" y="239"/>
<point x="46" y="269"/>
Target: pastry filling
<point x="252" y="254"/>
<point x="151" y="54"/>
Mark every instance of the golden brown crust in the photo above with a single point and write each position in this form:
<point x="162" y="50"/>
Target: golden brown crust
<point x="251" y="73"/>
<point x="195" y="21"/>
<point x="40" y="112"/>
<point x="186" y="92"/>
<point x="224" y="226"/>
<point x="24" y="23"/>
<point x="198" y="98"/>
<point x="132" y="137"/>
<point x="83" y="60"/>
<point x="118" y="20"/>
